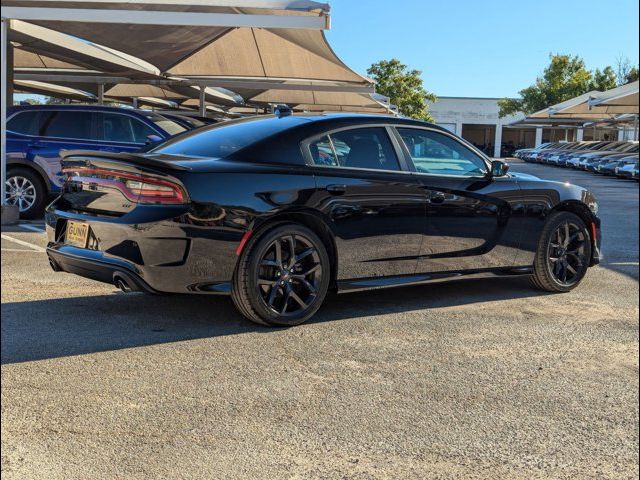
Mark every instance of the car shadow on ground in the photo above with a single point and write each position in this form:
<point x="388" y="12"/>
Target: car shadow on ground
<point x="62" y="327"/>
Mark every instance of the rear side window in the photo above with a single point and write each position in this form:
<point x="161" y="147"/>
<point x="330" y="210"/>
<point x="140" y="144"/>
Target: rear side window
<point x="27" y="123"/>
<point x="117" y="127"/>
<point x="368" y="148"/>
<point x="71" y="124"/>
<point x="322" y="152"/>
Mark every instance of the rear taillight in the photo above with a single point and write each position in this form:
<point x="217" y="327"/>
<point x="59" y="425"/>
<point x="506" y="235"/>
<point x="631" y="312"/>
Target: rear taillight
<point x="135" y="187"/>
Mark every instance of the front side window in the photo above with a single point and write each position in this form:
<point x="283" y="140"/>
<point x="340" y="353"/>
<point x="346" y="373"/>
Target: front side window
<point x="439" y="154"/>
<point x="368" y="148"/>
<point x="70" y="124"/>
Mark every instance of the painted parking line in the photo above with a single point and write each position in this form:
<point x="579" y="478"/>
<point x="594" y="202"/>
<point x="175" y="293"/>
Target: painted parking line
<point x="18" y="250"/>
<point x="35" y="248"/>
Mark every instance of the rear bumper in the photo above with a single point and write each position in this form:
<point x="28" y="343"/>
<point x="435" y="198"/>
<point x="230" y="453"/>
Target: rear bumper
<point x="93" y="265"/>
<point x="166" y="256"/>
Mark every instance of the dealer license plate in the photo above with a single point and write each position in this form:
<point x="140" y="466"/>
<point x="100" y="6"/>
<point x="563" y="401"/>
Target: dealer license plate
<point x="77" y="233"/>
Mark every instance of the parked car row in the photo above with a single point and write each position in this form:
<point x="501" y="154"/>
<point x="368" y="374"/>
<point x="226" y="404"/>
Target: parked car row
<point x="618" y="159"/>
<point x="37" y="134"/>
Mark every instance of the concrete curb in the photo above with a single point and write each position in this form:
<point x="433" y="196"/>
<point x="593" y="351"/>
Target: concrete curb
<point x="10" y="214"/>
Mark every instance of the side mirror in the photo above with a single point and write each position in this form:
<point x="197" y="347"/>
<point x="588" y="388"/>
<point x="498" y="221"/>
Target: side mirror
<point x="153" y="139"/>
<point x="499" y="168"/>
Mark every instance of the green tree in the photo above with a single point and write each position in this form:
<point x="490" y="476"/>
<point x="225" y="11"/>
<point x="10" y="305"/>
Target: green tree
<point x="604" y="80"/>
<point x="403" y="86"/>
<point x="565" y="77"/>
<point x="625" y="72"/>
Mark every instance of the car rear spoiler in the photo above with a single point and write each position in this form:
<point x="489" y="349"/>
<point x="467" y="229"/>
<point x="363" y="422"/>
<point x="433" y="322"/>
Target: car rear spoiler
<point x="139" y="159"/>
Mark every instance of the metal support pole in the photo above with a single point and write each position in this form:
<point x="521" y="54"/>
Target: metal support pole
<point x="635" y="128"/>
<point x="3" y="114"/>
<point x="135" y="102"/>
<point x="101" y="94"/>
<point x="203" y="104"/>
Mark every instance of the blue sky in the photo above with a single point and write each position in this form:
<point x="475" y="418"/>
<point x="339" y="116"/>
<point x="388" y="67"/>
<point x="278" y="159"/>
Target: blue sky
<point x="488" y="48"/>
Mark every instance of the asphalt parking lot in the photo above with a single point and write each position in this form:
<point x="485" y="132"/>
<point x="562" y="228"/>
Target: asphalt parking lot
<point x="477" y="379"/>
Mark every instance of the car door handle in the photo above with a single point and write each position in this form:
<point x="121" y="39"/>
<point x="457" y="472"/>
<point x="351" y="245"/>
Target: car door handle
<point x="437" y="197"/>
<point x="336" y="189"/>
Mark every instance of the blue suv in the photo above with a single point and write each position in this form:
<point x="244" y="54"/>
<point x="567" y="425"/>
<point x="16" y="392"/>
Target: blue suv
<point x="36" y="134"/>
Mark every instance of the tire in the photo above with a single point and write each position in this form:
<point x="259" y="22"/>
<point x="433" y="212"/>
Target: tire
<point x="30" y="182"/>
<point x="259" y="272"/>
<point x="554" y="252"/>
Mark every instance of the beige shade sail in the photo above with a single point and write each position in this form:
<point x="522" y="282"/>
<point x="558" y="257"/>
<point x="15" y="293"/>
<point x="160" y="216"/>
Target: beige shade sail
<point x="163" y="46"/>
<point x="25" y="60"/>
<point x="600" y="105"/>
<point x="381" y="109"/>
<point x="260" y="53"/>
<point x="547" y="112"/>
<point x="134" y="90"/>
<point x="299" y="97"/>
<point x="623" y="99"/>
<point x="183" y="94"/>
<point x="74" y="51"/>
<point x="52" y="90"/>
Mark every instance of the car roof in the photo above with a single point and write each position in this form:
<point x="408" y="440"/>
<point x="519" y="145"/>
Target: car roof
<point x="95" y="108"/>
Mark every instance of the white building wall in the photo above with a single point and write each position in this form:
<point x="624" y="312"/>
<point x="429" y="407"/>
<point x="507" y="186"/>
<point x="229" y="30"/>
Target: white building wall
<point x="449" y="111"/>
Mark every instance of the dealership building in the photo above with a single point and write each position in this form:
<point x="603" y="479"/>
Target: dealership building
<point x="477" y="120"/>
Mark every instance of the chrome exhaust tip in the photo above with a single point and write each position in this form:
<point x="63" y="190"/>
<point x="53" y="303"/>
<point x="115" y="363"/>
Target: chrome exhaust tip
<point x="54" y="266"/>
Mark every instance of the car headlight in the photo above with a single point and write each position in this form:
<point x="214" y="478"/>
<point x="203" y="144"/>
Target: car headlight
<point x="593" y="206"/>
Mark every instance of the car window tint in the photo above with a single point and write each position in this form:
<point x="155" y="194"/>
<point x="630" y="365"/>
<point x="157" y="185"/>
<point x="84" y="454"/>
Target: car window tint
<point x="436" y="153"/>
<point x="368" y="148"/>
<point x="118" y="127"/>
<point x="70" y="124"/>
<point x="322" y="152"/>
<point x="26" y="123"/>
<point x="166" y="124"/>
<point x="224" y="139"/>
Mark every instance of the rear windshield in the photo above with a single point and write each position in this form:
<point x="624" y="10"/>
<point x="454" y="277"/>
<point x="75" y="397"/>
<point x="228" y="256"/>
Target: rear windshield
<point x="224" y="139"/>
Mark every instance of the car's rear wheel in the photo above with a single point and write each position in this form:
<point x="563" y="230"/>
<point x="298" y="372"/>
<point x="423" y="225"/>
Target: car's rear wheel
<point x="563" y="255"/>
<point x="282" y="276"/>
<point x="25" y="188"/>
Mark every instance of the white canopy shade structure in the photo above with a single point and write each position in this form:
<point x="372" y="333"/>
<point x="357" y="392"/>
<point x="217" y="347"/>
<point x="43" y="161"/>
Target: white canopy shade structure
<point x="53" y="90"/>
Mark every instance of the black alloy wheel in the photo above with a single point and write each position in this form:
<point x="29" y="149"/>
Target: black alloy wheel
<point x="564" y="253"/>
<point x="282" y="276"/>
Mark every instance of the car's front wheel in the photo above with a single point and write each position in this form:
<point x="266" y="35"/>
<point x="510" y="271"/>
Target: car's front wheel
<point x="25" y="189"/>
<point x="563" y="255"/>
<point x="282" y="276"/>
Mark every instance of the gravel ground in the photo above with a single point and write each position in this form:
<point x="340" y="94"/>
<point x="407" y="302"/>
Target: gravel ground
<point x="476" y="379"/>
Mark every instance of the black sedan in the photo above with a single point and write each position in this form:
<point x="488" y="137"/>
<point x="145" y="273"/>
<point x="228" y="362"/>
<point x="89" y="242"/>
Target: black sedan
<point x="276" y="211"/>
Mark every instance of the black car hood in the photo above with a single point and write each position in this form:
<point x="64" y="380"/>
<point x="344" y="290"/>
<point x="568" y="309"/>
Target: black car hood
<point x="523" y="176"/>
